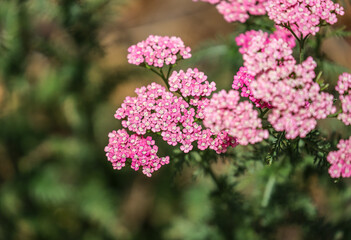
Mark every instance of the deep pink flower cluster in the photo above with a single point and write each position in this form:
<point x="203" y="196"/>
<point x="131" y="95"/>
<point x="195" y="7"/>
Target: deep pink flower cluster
<point x="303" y="16"/>
<point x="242" y="81"/>
<point x="142" y="152"/>
<point x="341" y="160"/>
<point x="344" y="89"/>
<point x="158" y="51"/>
<point x="191" y="83"/>
<point x="234" y="10"/>
<point x="239" y="119"/>
<point x="156" y="110"/>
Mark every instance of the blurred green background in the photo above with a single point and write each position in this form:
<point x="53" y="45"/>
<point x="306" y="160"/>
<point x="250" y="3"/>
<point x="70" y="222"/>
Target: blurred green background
<point x="63" y="73"/>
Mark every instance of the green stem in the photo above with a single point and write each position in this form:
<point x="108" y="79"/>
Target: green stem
<point x="209" y="171"/>
<point x="335" y="114"/>
<point x="160" y="74"/>
<point x="214" y="177"/>
<point x="268" y="191"/>
<point x="263" y="112"/>
<point x="302" y="46"/>
<point x="301" y="40"/>
<point x="169" y="71"/>
<point x="301" y="55"/>
<point x="165" y="80"/>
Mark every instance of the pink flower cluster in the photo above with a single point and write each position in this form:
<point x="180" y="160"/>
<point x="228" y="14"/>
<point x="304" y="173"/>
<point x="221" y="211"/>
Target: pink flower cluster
<point x="296" y="100"/>
<point x="142" y="152"/>
<point x="156" y="110"/>
<point x="234" y="10"/>
<point x="341" y="160"/>
<point x="288" y="87"/>
<point x="191" y="83"/>
<point x="266" y="54"/>
<point x="304" y="17"/>
<point x="242" y="81"/>
<point x="158" y="51"/>
<point x="344" y="89"/>
<point x="240" y="120"/>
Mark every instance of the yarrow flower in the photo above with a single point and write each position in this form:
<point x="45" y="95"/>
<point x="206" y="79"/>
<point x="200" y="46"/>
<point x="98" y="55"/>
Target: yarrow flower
<point x="296" y="100"/>
<point x="156" y="110"/>
<point x="242" y="81"/>
<point x="234" y="10"/>
<point x="344" y="89"/>
<point x="158" y="51"/>
<point x="268" y="54"/>
<point x="288" y="87"/>
<point x="191" y="83"/>
<point x="304" y="17"/>
<point x="341" y="160"/>
<point x="141" y="151"/>
<point x="240" y="120"/>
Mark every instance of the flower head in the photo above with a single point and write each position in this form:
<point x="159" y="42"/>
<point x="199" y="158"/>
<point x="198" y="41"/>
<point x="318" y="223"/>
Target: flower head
<point x="341" y="160"/>
<point x="191" y="83"/>
<point x="296" y="99"/>
<point x="344" y="89"/>
<point x="179" y="122"/>
<point x="234" y="10"/>
<point x="141" y="151"/>
<point x="240" y="120"/>
<point x="304" y="17"/>
<point x="287" y="87"/>
<point x="158" y="51"/>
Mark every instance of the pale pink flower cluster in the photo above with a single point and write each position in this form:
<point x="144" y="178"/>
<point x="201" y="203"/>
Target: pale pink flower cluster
<point x="239" y="119"/>
<point x="304" y="17"/>
<point x="296" y="99"/>
<point x="288" y="87"/>
<point x="242" y="81"/>
<point x="142" y="152"/>
<point x="156" y="110"/>
<point x="158" y="51"/>
<point x="235" y="10"/>
<point x="267" y="54"/>
<point x="191" y="83"/>
<point x="341" y="160"/>
<point x="344" y="89"/>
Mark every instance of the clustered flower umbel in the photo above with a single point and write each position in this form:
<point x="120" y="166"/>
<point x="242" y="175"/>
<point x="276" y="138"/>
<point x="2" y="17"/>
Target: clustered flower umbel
<point x="341" y="160"/>
<point x="176" y="119"/>
<point x="265" y="53"/>
<point x="239" y="119"/>
<point x="158" y="111"/>
<point x="234" y="10"/>
<point x="344" y="89"/>
<point x="191" y="83"/>
<point x="142" y="152"/>
<point x="288" y="87"/>
<point x="158" y="51"/>
<point x="304" y="17"/>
